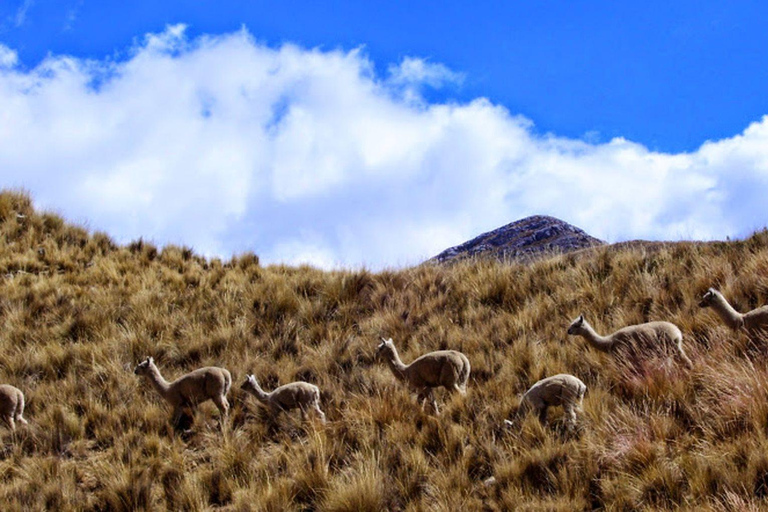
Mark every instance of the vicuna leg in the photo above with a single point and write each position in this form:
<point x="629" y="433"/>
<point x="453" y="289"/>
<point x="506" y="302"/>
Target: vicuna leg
<point x="9" y="420"/>
<point x="320" y="413"/>
<point x="541" y="411"/>
<point x="183" y="417"/>
<point x="425" y="395"/>
<point x="222" y="404"/>
<point x="432" y="399"/>
<point x="570" y="414"/>
<point x="178" y="412"/>
<point x="421" y="397"/>
<point x="20" y="411"/>
<point x="274" y="410"/>
<point x="683" y="357"/>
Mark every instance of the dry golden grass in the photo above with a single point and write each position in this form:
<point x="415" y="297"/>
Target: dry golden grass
<point x="77" y="312"/>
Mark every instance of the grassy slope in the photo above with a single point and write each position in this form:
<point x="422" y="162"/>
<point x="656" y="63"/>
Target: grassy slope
<point x="77" y="312"/>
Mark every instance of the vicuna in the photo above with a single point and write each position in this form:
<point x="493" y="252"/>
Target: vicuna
<point x="296" y="395"/>
<point x="447" y="368"/>
<point x="209" y="383"/>
<point x="11" y="405"/>
<point x="634" y="338"/>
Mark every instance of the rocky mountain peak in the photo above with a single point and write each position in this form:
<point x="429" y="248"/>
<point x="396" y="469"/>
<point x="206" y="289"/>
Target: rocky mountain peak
<point x="524" y="239"/>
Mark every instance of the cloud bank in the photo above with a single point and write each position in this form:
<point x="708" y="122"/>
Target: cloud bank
<point x="308" y="156"/>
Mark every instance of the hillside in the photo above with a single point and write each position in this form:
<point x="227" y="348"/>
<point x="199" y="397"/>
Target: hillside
<point x="523" y="240"/>
<point x="78" y="312"/>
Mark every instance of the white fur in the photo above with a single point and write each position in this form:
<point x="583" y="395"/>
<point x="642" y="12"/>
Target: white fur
<point x="11" y="405"/>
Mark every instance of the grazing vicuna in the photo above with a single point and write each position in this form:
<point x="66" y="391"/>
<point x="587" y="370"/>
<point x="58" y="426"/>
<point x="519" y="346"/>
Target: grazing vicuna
<point x="447" y="368"/>
<point x="559" y="390"/>
<point x="753" y="321"/>
<point x="11" y="405"/>
<point x="209" y="383"/>
<point x="634" y="338"/>
<point x="296" y="395"/>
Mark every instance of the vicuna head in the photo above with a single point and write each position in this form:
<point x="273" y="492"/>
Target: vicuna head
<point x="708" y="298"/>
<point x="519" y="412"/>
<point x="250" y="382"/>
<point x="385" y="348"/>
<point x="143" y="367"/>
<point x="575" y="327"/>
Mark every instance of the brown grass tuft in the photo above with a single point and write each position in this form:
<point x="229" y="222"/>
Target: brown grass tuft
<point x="78" y="311"/>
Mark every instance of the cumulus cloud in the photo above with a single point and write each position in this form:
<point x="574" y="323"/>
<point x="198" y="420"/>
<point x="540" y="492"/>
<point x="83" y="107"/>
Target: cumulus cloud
<point x="302" y="155"/>
<point x="413" y="70"/>
<point x="8" y="57"/>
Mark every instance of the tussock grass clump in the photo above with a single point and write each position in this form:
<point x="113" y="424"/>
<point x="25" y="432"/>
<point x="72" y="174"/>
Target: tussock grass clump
<point x="77" y="312"/>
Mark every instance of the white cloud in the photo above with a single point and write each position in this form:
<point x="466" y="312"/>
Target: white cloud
<point x="227" y="145"/>
<point x="407" y="79"/>
<point x="8" y="57"/>
<point x="21" y="13"/>
<point x="413" y="70"/>
<point x="72" y="13"/>
<point x="305" y="250"/>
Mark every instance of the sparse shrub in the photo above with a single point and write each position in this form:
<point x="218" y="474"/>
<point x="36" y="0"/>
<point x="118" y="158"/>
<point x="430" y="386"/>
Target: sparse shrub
<point x="146" y="249"/>
<point x="246" y="261"/>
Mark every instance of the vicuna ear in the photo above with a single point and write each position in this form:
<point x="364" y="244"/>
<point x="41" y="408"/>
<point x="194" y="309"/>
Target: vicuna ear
<point x="581" y="318"/>
<point x="151" y="360"/>
<point x="711" y="290"/>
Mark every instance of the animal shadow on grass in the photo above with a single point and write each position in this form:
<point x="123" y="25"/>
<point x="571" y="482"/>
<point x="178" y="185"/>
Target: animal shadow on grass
<point x="645" y="362"/>
<point x="564" y="430"/>
<point x="752" y="345"/>
<point x="277" y="427"/>
<point x="187" y="425"/>
<point x="557" y="424"/>
<point x="183" y="424"/>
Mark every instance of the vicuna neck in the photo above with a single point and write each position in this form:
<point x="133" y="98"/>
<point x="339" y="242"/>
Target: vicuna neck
<point x="157" y="380"/>
<point x="524" y="407"/>
<point x="602" y="343"/>
<point x="730" y="316"/>
<point x="395" y="364"/>
<point x="259" y="393"/>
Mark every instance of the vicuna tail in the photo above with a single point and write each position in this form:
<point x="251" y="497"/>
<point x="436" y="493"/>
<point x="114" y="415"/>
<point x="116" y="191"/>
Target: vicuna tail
<point x="463" y="376"/>
<point x="683" y="356"/>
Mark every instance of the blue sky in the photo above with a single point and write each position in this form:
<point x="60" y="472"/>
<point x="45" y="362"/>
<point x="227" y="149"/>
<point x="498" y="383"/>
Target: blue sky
<point x="325" y="132"/>
<point x="669" y="75"/>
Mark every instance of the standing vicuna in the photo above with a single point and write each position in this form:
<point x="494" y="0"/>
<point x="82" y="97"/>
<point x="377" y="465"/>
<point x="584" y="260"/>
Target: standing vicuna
<point x="209" y="383"/>
<point x="447" y="368"/>
<point x="296" y="395"/>
<point x="559" y="390"/>
<point x="11" y="405"/>
<point x="635" y="339"/>
<point x="753" y="321"/>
